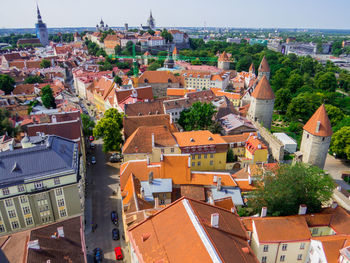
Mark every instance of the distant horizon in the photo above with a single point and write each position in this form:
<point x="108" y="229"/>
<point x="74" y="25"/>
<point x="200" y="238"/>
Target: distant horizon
<point x="270" y="14"/>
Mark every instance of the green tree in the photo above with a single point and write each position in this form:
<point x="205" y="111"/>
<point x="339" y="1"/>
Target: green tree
<point x="128" y="49"/>
<point x="244" y="63"/>
<point x="230" y="156"/>
<point x="7" y="84"/>
<point x="117" y="50"/>
<point x="341" y="143"/>
<point x="290" y="186"/>
<point x="303" y="106"/>
<point x="294" y="82"/>
<point x="283" y="98"/>
<point x="154" y="66"/>
<point x="344" y="122"/>
<point x="335" y="114"/>
<point x="326" y="81"/>
<point x="280" y="79"/>
<point x="33" y="80"/>
<point x="118" y="80"/>
<point x="88" y="124"/>
<point x="47" y="97"/>
<point x="197" y="117"/>
<point x="109" y="128"/>
<point x="6" y="124"/>
<point x="167" y="36"/>
<point x="45" y="63"/>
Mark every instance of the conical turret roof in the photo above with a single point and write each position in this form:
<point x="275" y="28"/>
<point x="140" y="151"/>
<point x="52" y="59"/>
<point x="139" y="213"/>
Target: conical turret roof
<point x="264" y="66"/>
<point x="319" y="123"/>
<point x="223" y="57"/>
<point x="263" y="90"/>
<point x="175" y="52"/>
<point x="252" y="68"/>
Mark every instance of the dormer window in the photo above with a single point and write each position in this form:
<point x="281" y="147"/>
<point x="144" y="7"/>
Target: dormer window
<point x="210" y="138"/>
<point x="191" y="140"/>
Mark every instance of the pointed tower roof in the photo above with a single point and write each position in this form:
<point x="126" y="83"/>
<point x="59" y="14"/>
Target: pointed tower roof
<point x="175" y="52"/>
<point x="319" y="123"/>
<point x="264" y="66"/>
<point x="39" y="15"/>
<point x="147" y="53"/>
<point x="252" y="68"/>
<point x="263" y="90"/>
<point x="223" y="57"/>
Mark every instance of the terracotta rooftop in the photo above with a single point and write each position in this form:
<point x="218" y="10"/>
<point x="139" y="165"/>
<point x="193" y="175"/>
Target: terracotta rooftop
<point x="264" y="65"/>
<point x="331" y="246"/>
<point x="252" y="68"/>
<point x="144" y="108"/>
<point x="197" y="138"/>
<point x="238" y="137"/>
<point x="183" y="231"/>
<point x="158" y="77"/>
<point x="193" y="191"/>
<point x="252" y="144"/>
<point x="319" y="123"/>
<point x="263" y="90"/>
<point x="223" y="57"/>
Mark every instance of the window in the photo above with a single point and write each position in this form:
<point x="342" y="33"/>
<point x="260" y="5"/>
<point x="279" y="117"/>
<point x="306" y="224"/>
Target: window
<point x="211" y="155"/>
<point x="15" y="225"/>
<point x="59" y="191"/>
<point x="44" y="208"/>
<point x="164" y="195"/>
<point x="2" y="228"/>
<point x="307" y="136"/>
<point x="199" y="156"/>
<point x="266" y="248"/>
<point x="284" y="247"/>
<point x="198" y="163"/>
<point x="5" y="191"/>
<point x="9" y="202"/>
<point x="57" y="181"/>
<point x="20" y="188"/>
<point x="23" y="199"/>
<point x="315" y="231"/>
<point x="300" y="256"/>
<point x="211" y="162"/>
<point x="38" y="185"/>
<point x="60" y="202"/>
<point x="12" y="213"/>
<point x="29" y="221"/>
<point x="205" y="156"/>
<point x="26" y="210"/>
<point x="161" y="201"/>
<point x="263" y="259"/>
<point x="63" y="213"/>
<point x="193" y="164"/>
<point x="323" y="139"/>
<point x="302" y="245"/>
<point x="172" y="150"/>
<point x="282" y="258"/>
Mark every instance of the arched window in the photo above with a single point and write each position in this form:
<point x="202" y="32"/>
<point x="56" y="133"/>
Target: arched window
<point x="146" y="80"/>
<point x="169" y="81"/>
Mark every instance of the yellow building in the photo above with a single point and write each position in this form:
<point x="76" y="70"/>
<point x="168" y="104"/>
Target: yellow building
<point x="150" y="142"/>
<point x="208" y="151"/>
<point x="101" y="90"/>
<point x="255" y="150"/>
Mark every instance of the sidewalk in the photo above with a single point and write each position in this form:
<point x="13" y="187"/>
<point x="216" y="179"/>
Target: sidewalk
<point x="335" y="167"/>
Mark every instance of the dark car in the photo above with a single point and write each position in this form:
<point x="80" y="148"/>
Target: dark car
<point x="114" y="217"/>
<point x="115" y="157"/>
<point x="118" y="253"/>
<point x="115" y="234"/>
<point x="98" y="255"/>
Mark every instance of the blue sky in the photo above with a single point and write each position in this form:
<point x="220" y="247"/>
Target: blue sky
<point x="231" y="13"/>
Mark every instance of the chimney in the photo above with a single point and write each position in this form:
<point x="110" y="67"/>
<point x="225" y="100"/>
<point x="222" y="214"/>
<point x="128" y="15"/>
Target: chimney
<point x="218" y="184"/>
<point x="142" y="192"/>
<point x="11" y="146"/>
<point x="152" y="140"/>
<point x="211" y="200"/>
<point x="259" y="146"/>
<point x="334" y="205"/>
<point x="161" y="157"/>
<point x="150" y="177"/>
<point x="318" y="124"/>
<point x="245" y="250"/>
<point x="249" y="179"/>
<point x="156" y="202"/>
<point x="246" y="168"/>
<point x="215" y="220"/>
<point x="33" y="244"/>
<point x="148" y="161"/>
<point x="54" y="120"/>
<point x="302" y="209"/>
<point x="189" y="161"/>
<point x="233" y="210"/>
<point x="263" y="211"/>
<point x="60" y="231"/>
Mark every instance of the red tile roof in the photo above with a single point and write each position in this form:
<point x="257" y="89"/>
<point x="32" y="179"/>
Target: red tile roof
<point x="321" y="117"/>
<point x="157" y="77"/>
<point x="263" y="90"/>
<point x="264" y="65"/>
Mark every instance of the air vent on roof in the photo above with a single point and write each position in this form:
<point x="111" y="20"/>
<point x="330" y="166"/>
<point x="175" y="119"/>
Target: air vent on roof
<point x="16" y="167"/>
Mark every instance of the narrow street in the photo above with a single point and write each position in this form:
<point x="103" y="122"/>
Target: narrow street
<point x="103" y="179"/>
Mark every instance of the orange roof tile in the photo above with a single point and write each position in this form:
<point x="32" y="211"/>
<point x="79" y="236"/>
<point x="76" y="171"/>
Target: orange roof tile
<point x="197" y="138"/>
<point x="263" y="90"/>
<point x="238" y="137"/>
<point x="176" y="92"/>
<point x="225" y="203"/>
<point x="252" y="68"/>
<point x="264" y="65"/>
<point x="253" y="144"/>
<point x="175" y="52"/>
<point x="331" y="246"/>
<point x="321" y="117"/>
<point x="157" y="77"/>
<point x="223" y="57"/>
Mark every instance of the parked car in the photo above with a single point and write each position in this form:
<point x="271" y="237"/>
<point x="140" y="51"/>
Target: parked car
<point x="98" y="255"/>
<point x="92" y="145"/>
<point x="118" y="253"/>
<point x="115" y="157"/>
<point x="93" y="160"/>
<point x="114" y="217"/>
<point x="115" y="234"/>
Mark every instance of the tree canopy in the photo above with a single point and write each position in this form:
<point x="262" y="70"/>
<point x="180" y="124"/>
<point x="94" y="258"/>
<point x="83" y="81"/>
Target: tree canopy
<point x="283" y="191"/>
<point x="109" y="128"/>
<point x="6" y="124"/>
<point x="47" y="97"/>
<point x="88" y="124"/>
<point x="33" y="80"/>
<point x="335" y="114"/>
<point x="7" y="84"/>
<point x="197" y="117"/>
<point x="167" y="36"/>
<point x="341" y="143"/>
<point x="45" y="63"/>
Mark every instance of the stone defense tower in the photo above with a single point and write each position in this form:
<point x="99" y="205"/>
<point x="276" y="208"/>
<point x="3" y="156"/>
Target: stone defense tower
<point x="41" y="30"/>
<point x="264" y="69"/>
<point x="252" y="69"/>
<point x="262" y="102"/>
<point x="316" y="138"/>
<point x="224" y="61"/>
<point x="175" y="54"/>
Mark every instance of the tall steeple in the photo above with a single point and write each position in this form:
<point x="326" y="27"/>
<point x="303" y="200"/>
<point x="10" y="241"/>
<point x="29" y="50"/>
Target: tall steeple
<point x="151" y="22"/>
<point x="41" y="29"/>
<point x="39" y="15"/>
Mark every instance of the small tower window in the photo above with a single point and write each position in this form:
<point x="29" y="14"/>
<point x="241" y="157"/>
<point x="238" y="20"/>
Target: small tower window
<point x="323" y="139"/>
<point x="307" y="136"/>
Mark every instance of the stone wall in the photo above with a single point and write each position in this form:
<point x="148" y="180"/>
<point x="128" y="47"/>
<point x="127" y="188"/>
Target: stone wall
<point x="276" y="148"/>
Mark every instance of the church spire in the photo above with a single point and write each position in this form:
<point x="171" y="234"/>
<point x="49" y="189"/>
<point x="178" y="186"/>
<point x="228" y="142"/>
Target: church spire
<point x="39" y="15"/>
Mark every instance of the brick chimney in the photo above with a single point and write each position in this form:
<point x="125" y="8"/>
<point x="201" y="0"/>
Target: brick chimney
<point x="263" y="211"/>
<point x="215" y="220"/>
<point x="302" y="209"/>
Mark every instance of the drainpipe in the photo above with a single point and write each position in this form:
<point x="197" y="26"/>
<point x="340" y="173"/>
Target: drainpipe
<point x="278" y="249"/>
